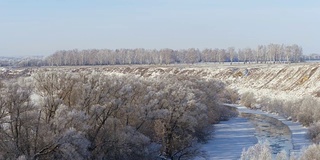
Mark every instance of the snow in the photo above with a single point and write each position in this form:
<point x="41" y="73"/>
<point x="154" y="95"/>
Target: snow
<point x="280" y="81"/>
<point x="298" y="132"/>
<point x="276" y="81"/>
<point x="231" y="137"/>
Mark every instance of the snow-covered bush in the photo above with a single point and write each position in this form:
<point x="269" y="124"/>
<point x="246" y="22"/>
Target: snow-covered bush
<point x="308" y="111"/>
<point x="230" y="96"/>
<point x="247" y="99"/>
<point x="311" y="152"/>
<point x="291" y="109"/>
<point x="314" y="132"/>
<point x="258" y="151"/>
<point x="262" y="151"/>
<point x="282" y="156"/>
<point x="304" y="110"/>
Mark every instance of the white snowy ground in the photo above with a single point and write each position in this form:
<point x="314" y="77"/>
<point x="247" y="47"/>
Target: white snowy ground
<point x="231" y="137"/>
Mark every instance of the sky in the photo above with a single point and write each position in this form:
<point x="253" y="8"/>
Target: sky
<point x="41" y="27"/>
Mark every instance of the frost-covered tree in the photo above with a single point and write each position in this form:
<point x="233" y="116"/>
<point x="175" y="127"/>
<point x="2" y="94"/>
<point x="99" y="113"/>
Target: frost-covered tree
<point x="258" y="151"/>
<point x="25" y="133"/>
<point x="83" y="113"/>
<point x="231" y="52"/>
<point x="270" y="53"/>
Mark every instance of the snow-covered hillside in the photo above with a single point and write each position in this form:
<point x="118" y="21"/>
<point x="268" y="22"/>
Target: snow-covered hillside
<point x="283" y="81"/>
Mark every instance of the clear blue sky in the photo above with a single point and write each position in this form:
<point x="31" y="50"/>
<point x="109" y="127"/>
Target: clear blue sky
<point x="40" y="27"/>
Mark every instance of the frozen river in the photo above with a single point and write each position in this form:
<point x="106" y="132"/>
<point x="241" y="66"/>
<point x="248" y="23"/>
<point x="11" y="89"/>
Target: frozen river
<point x="229" y="138"/>
<point x="250" y="127"/>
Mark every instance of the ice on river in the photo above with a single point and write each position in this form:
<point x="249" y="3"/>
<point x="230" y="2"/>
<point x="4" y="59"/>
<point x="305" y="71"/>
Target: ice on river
<point x="299" y="139"/>
<point x="229" y="139"/>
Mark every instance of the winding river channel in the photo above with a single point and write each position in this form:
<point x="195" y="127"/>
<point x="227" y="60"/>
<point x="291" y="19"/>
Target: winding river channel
<point x="250" y="127"/>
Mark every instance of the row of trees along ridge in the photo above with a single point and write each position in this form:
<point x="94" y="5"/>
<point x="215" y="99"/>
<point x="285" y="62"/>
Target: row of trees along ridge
<point x="272" y="53"/>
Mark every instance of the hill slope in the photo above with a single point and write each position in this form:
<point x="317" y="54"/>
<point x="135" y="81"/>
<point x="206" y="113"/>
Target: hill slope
<point x="281" y="81"/>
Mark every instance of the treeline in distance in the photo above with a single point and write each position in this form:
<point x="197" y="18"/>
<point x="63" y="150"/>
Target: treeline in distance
<point x="272" y="53"/>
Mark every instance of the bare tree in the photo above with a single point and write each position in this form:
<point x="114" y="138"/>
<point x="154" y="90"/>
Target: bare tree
<point x="271" y="53"/>
<point x="231" y="51"/>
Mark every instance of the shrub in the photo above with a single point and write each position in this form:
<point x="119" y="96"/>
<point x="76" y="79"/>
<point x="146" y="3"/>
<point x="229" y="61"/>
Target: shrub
<point x="314" y="132"/>
<point x="230" y="96"/>
<point x="282" y="155"/>
<point x="262" y="151"/>
<point x="290" y="110"/>
<point x="247" y="99"/>
<point x="312" y="152"/>
<point x="258" y="151"/>
<point x="307" y="114"/>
